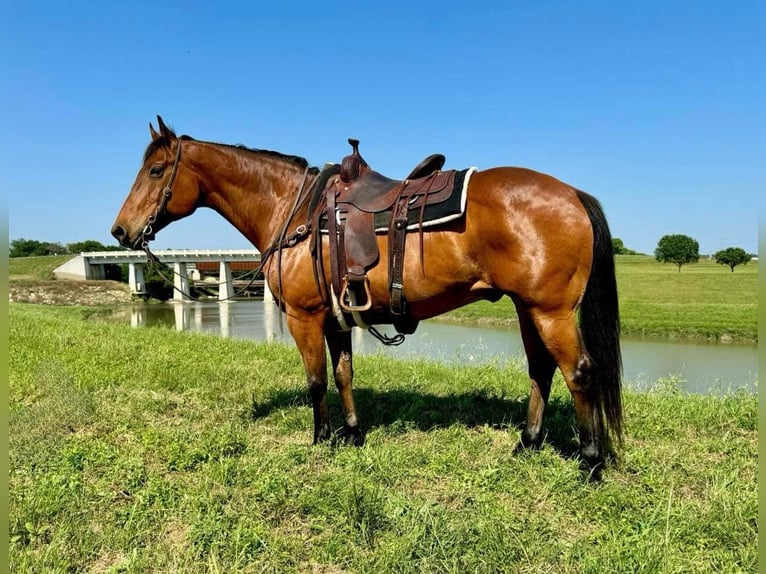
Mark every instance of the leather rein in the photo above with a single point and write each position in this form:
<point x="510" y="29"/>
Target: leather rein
<point x="281" y="241"/>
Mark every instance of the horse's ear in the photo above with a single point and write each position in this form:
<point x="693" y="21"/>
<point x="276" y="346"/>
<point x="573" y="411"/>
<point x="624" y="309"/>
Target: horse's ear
<point x="154" y="134"/>
<point x="165" y="131"/>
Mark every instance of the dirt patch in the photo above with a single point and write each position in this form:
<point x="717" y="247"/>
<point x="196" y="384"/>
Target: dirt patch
<point x="62" y="292"/>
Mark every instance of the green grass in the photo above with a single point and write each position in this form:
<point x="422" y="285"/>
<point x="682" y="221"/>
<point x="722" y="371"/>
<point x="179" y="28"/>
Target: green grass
<point x="703" y="301"/>
<point x="149" y="450"/>
<point x="40" y="268"/>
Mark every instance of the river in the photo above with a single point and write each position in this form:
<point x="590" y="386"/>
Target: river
<point x="699" y="367"/>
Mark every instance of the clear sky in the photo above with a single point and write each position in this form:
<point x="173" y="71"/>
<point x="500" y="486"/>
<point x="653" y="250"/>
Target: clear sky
<point x="654" y="107"/>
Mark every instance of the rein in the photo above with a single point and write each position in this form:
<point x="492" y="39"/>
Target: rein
<point x="280" y="242"/>
<point x="283" y="240"/>
<point x="302" y="231"/>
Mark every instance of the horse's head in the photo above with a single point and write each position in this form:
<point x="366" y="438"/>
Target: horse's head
<point x="163" y="191"/>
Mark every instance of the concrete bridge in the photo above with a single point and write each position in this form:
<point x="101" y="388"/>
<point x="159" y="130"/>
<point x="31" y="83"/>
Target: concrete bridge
<point x="91" y="265"/>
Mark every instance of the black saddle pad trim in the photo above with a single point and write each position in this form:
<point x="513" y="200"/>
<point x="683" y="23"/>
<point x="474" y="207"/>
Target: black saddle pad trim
<point x="434" y="214"/>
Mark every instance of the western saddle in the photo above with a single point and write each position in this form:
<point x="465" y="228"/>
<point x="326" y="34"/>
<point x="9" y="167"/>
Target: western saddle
<point x="352" y="197"/>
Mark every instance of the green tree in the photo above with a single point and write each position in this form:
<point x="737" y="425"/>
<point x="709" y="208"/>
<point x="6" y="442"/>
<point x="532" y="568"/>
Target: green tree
<point x="90" y="245"/>
<point x="677" y="249"/>
<point x="32" y="248"/>
<point x="618" y="247"/>
<point x="732" y="256"/>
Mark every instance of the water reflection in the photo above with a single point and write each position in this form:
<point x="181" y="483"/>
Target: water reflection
<point x="699" y="366"/>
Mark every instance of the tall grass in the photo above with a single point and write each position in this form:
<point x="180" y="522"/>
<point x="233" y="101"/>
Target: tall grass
<point x="149" y="450"/>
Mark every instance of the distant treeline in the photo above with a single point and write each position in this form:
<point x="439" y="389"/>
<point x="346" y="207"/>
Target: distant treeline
<point x="34" y="248"/>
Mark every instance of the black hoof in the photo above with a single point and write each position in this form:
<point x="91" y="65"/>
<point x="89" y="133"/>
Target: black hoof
<point x="528" y="443"/>
<point x="592" y="463"/>
<point x="592" y="470"/>
<point x="322" y="434"/>
<point x="351" y="436"/>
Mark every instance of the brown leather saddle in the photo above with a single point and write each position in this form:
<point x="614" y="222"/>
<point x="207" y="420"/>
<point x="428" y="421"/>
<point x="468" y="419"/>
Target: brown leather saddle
<point x="352" y="198"/>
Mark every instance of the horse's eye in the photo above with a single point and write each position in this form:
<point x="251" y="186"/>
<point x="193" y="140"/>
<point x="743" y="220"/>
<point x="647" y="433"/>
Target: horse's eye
<point x="156" y="170"/>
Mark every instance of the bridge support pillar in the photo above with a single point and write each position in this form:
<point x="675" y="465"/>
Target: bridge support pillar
<point x="225" y="282"/>
<point x="180" y="282"/>
<point x="268" y="296"/>
<point x="136" y="278"/>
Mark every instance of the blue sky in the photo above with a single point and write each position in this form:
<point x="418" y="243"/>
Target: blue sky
<point x="653" y="107"/>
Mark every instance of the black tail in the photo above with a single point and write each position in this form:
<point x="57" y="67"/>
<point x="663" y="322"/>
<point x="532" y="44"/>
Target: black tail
<point x="600" y="323"/>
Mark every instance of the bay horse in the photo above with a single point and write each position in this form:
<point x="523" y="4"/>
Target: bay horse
<point x="524" y="234"/>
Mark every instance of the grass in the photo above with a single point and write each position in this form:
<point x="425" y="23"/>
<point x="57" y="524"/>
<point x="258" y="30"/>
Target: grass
<point x="35" y="268"/>
<point x="704" y="301"/>
<point x="150" y="450"/>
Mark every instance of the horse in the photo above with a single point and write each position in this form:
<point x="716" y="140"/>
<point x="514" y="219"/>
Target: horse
<point x="525" y="234"/>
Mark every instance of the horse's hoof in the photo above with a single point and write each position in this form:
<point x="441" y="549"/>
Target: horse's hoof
<point x="528" y="443"/>
<point x="592" y="471"/>
<point x="322" y="434"/>
<point x="592" y="464"/>
<point x="352" y="436"/>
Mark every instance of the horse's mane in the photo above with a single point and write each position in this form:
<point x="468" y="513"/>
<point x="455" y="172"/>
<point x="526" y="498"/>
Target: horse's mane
<point x="163" y="141"/>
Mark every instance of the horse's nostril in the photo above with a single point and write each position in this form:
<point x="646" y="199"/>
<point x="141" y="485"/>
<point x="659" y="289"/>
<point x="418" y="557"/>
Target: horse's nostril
<point x="118" y="232"/>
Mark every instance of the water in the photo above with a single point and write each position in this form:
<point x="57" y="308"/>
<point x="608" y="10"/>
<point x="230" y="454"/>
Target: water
<point x="699" y="367"/>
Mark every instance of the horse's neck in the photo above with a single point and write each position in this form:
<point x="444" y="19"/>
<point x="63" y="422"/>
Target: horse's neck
<point x="253" y="191"/>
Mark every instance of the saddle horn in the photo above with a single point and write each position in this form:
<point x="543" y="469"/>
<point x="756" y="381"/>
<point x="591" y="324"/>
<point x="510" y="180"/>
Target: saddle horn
<point x="352" y="164"/>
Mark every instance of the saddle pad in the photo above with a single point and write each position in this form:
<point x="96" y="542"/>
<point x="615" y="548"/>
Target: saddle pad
<point x="436" y="213"/>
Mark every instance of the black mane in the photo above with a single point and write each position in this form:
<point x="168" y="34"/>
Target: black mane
<point x="297" y="160"/>
<point x="163" y="141"/>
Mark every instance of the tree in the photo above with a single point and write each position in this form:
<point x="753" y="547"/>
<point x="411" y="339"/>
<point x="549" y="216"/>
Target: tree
<point x="29" y="248"/>
<point x="618" y="247"/>
<point x="90" y="245"/>
<point x="732" y="256"/>
<point x="677" y="249"/>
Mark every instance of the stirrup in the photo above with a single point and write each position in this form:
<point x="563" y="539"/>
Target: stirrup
<point x="355" y="308"/>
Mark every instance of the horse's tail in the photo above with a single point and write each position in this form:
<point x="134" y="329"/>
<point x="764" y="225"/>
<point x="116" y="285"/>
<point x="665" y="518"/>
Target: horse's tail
<point x="600" y="324"/>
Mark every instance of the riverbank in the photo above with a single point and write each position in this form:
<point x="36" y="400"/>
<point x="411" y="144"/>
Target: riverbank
<point x="150" y="449"/>
<point x="31" y="280"/>
<point x="703" y="302"/>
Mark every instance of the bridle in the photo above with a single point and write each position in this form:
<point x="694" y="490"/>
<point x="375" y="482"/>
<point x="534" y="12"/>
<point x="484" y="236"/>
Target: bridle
<point x="161" y="205"/>
<point x="282" y="239"/>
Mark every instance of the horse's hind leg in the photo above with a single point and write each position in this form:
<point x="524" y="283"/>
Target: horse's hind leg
<point x="542" y="366"/>
<point x="341" y="356"/>
<point x="561" y="336"/>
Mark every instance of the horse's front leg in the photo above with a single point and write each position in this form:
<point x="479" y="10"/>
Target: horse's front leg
<point x="308" y="332"/>
<point x="339" y="344"/>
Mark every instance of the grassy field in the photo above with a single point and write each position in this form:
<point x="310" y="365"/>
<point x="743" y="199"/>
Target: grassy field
<point x="704" y="301"/>
<point x="149" y="450"/>
<point x="35" y="268"/>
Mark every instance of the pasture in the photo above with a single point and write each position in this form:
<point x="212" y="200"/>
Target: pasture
<point x="704" y="301"/>
<point x="150" y="450"/>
